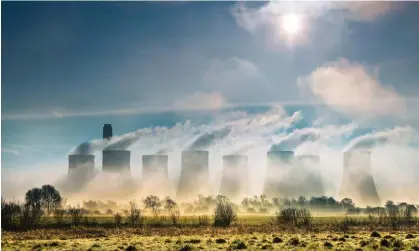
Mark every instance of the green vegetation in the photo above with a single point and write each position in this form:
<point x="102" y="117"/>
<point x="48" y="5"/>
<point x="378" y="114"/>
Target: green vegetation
<point x="44" y="222"/>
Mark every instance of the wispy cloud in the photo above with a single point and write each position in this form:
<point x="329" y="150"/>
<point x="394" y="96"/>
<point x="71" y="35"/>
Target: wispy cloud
<point x="10" y="151"/>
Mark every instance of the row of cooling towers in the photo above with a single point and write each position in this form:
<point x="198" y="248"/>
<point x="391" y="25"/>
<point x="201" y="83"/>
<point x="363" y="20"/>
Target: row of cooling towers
<point x="286" y="174"/>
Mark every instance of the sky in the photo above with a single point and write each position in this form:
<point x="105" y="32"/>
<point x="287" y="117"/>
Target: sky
<point x="350" y="70"/>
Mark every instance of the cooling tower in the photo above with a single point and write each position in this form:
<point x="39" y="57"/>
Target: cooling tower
<point x="279" y="165"/>
<point x="358" y="183"/>
<point x="307" y="175"/>
<point x="155" y="177"/>
<point x="194" y="175"/>
<point x="80" y="169"/>
<point x="235" y="176"/>
<point x="116" y="161"/>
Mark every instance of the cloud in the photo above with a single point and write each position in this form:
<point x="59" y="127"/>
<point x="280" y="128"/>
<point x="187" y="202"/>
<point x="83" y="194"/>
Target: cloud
<point x="10" y="151"/>
<point x="267" y="19"/>
<point x="349" y="88"/>
<point x="365" y="11"/>
<point x="201" y="101"/>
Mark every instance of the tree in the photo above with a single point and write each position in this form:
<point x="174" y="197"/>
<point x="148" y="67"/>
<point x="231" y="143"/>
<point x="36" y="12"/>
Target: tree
<point x="152" y="202"/>
<point x="171" y="206"/>
<point x="389" y="205"/>
<point x="347" y="203"/>
<point x="9" y="212"/>
<point x="50" y="198"/>
<point x="32" y="210"/>
<point x="302" y="201"/>
<point x="134" y="214"/>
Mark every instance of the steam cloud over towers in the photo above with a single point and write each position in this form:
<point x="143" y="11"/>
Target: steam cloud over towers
<point x="358" y="183"/>
<point x="80" y="169"/>
<point x="235" y="176"/>
<point x="279" y="164"/>
<point x="194" y="175"/>
<point x="116" y="161"/>
<point x="155" y="175"/>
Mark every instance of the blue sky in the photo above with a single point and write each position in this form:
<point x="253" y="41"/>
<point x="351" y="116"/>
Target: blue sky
<point x="70" y="67"/>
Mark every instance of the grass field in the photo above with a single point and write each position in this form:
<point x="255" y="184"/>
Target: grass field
<point x="250" y="232"/>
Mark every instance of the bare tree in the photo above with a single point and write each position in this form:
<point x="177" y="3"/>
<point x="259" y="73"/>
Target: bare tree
<point x="173" y="210"/>
<point x="153" y="202"/>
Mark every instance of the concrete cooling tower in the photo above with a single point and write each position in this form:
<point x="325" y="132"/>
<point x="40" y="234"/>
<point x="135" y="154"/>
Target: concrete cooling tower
<point x="358" y="183"/>
<point x="235" y="176"/>
<point x="194" y="175"/>
<point x="279" y="167"/>
<point x="116" y="161"/>
<point x="307" y="176"/>
<point x="80" y="169"/>
<point x="155" y="176"/>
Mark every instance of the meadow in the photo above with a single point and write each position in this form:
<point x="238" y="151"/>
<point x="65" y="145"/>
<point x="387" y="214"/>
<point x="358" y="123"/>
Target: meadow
<point x="248" y="232"/>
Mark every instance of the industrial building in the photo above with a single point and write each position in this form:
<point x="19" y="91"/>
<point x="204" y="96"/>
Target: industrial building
<point x="80" y="169"/>
<point x="194" y="175"/>
<point x="235" y="176"/>
<point x="308" y="175"/>
<point x="107" y="131"/>
<point x="279" y="167"/>
<point x="358" y="183"/>
<point x="116" y="161"/>
<point x="155" y="166"/>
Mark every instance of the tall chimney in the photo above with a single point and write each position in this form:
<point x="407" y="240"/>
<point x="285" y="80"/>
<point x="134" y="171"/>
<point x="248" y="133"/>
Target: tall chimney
<point x="107" y="131"/>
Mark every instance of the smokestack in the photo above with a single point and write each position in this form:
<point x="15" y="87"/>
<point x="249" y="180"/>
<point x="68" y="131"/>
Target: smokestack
<point x="155" y="176"/>
<point x="235" y="176"/>
<point x="116" y="161"/>
<point x="80" y="169"/>
<point x="279" y="164"/>
<point x="308" y="175"/>
<point x="194" y="176"/>
<point x="358" y="183"/>
<point x="107" y="131"/>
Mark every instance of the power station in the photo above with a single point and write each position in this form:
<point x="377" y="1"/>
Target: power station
<point x="80" y="169"/>
<point x="235" y="176"/>
<point x="279" y="168"/>
<point x="194" y="175"/>
<point x="358" y="183"/>
<point x="308" y="174"/>
<point x="116" y="161"/>
<point x="286" y="174"/>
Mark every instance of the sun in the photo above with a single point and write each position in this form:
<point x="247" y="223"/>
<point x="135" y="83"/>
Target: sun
<point x="291" y="24"/>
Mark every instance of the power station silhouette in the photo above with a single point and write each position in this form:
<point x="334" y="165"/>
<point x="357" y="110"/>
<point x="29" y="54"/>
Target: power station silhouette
<point x="286" y="174"/>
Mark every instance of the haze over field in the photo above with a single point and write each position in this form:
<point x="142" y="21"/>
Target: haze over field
<point x="230" y="78"/>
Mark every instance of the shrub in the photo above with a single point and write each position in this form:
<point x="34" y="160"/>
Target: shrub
<point x="118" y="219"/>
<point x="76" y="215"/>
<point x="203" y="220"/>
<point x="134" y="214"/>
<point x="224" y="213"/>
<point x="10" y="211"/>
<point x="294" y="216"/>
<point x="59" y="216"/>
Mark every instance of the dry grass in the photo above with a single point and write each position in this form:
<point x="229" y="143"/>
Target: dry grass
<point x="256" y="236"/>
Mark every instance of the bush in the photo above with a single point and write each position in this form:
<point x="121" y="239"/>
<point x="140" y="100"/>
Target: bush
<point x="118" y="219"/>
<point x="59" y="216"/>
<point x="224" y="213"/>
<point x="294" y="216"/>
<point x="10" y="212"/>
<point x="76" y="215"/>
<point x="134" y="214"/>
<point x="203" y="220"/>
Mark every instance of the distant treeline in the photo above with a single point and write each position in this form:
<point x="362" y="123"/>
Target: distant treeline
<point x="47" y="201"/>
